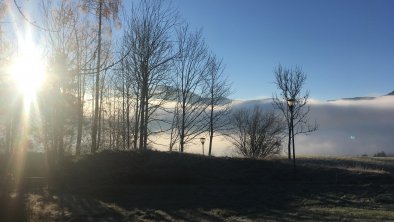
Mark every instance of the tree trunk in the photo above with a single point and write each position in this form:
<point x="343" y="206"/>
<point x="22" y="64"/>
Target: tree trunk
<point x="182" y="134"/>
<point x="80" y="117"/>
<point x="144" y="107"/>
<point x="142" y="119"/>
<point x="100" y="119"/>
<point x="123" y="113"/>
<point x="96" y="110"/>
<point x="289" y="143"/>
<point x="8" y="138"/>
<point x="128" y="117"/>
<point x="146" y="120"/>
<point x="61" y="137"/>
<point x="210" y="131"/>
<point x="137" y="121"/>
<point x="174" y="127"/>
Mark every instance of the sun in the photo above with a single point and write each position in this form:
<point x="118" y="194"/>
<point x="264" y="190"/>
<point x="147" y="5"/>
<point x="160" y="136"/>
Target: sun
<point x="28" y="69"/>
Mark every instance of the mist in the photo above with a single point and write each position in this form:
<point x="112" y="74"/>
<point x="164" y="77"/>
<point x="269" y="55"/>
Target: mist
<point x="346" y="127"/>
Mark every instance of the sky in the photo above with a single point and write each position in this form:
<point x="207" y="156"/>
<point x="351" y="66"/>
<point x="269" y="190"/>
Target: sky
<point x="346" y="47"/>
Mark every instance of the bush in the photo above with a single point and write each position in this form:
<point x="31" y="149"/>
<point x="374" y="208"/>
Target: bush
<point x="380" y="154"/>
<point x="256" y="134"/>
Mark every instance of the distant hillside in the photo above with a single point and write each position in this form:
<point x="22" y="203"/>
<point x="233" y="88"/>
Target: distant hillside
<point x="171" y="94"/>
<point x="250" y="104"/>
<point x="353" y="99"/>
<point x="359" y="98"/>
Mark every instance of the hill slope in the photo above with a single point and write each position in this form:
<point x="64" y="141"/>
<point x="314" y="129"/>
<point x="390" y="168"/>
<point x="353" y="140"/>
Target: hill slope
<point x="162" y="186"/>
<point x="169" y="168"/>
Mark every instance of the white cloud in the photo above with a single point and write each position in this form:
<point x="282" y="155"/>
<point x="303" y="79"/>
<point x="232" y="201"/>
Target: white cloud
<point x="346" y="127"/>
<point x="349" y="127"/>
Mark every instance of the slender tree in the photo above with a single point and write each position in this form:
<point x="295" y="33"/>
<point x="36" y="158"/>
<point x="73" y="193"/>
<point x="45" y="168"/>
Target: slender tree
<point x="290" y="83"/>
<point x="219" y="105"/>
<point x="6" y="90"/>
<point x="75" y="38"/>
<point x="60" y="16"/>
<point x="148" y="38"/>
<point x="60" y="109"/>
<point x="103" y="9"/>
<point x="128" y="87"/>
<point x="191" y="71"/>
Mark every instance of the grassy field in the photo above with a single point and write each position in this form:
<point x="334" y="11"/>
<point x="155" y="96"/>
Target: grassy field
<point x="160" y="186"/>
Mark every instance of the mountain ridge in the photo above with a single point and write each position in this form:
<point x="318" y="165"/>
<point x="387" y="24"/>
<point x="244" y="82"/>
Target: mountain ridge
<point x="358" y="98"/>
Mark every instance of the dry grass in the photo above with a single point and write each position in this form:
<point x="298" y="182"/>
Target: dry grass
<point x="41" y="207"/>
<point x="159" y="186"/>
<point x="362" y="169"/>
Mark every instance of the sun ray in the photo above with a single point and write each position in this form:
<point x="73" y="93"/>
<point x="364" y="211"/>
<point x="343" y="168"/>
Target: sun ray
<point x="27" y="72"/>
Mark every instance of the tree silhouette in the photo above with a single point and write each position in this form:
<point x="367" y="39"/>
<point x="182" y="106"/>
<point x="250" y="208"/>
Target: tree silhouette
<point x="103" y="9"/>
<point x="256" y="134"/>
<point x="290" y="83"/>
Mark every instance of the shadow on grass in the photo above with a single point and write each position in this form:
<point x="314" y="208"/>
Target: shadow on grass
<point x="219" y="203"/>
<point x="157" y="186"/>
<point x="12" y="206"/>
<point x="160" y="186"/>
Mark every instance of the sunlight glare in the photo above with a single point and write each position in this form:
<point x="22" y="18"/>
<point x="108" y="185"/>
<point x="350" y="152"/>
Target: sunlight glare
<point x="28" y="69"/>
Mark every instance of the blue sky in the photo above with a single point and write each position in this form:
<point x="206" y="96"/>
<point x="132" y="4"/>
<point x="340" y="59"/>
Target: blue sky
<point x="345" y="47"/>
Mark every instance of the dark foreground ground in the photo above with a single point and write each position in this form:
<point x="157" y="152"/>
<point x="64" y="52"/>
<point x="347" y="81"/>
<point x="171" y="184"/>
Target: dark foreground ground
<point x="158" y="186"/>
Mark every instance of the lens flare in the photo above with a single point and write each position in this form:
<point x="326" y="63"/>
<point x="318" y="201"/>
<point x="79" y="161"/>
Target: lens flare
<point x="28" y="69"/>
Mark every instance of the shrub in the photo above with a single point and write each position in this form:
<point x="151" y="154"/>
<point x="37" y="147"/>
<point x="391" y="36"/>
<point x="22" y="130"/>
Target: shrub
<point x="380" y="154"/>
<point x="256" y="134"/>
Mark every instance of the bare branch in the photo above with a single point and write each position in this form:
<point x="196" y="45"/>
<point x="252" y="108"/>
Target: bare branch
<point x="290" y="83"/>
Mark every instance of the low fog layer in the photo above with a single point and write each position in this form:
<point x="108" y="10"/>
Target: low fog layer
<point x="346" y="127"/>
<point x="351" y="128"/>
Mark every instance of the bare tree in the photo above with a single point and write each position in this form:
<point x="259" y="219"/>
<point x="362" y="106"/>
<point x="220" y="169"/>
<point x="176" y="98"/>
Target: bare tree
<point x="6" y="90"/>
<point x="75" y="38"/>
<point x="219" y="105"/>
<point x="290" y="83"/>
<point x="191" y="70"/>
<point x="256" y="134"/>
<point x="60" y="16"/>
<point x="148" y="38"/>
<point x="127" y="86"/>
<point x="84" y="57"/>
<point x="58" y="107"/>
<point x="106" y="9"/>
